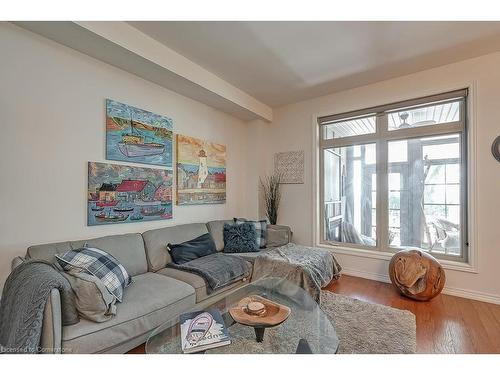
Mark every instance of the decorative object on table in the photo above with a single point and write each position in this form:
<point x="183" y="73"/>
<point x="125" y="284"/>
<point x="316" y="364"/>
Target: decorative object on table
<point x="260" y="230"/>
<point x="240" y="238"/>
<point x="120" y="193"/>
<point x="202" y="330"/>
<point x="290" y="165"/>
<point x="260" y="313"/>
<point x="271" y="191"/>
<point x="201" y="171"/>
<point x="137" y="136"/>
<point x="416" y="274"/>
<point x="495" y="148"/>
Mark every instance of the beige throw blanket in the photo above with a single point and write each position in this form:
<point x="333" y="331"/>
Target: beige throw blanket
<point x="311" y="268"/>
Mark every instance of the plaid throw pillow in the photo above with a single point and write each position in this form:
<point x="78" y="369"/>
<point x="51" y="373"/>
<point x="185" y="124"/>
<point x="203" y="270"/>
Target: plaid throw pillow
<point x="100" y="264"/>
<point x="260" y="229"/>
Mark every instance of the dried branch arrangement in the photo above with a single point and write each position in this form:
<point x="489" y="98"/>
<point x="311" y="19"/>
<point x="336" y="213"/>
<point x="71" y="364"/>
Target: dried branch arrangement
<point x="270" y="186"/>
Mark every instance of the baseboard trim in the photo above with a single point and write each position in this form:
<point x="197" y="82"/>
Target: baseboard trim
<point x="457" y="292"/>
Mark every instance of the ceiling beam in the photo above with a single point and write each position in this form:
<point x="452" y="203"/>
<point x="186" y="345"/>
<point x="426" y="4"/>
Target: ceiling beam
<point x="125" y="47"/>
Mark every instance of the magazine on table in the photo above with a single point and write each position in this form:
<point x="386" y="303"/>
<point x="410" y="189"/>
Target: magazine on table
<point x="202" y="330"/>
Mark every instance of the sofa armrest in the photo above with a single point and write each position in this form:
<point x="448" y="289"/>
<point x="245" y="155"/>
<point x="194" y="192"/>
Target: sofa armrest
<point x="51" y="340"/>
<point x="16" y="262"/>
<point x="278" y="235"/>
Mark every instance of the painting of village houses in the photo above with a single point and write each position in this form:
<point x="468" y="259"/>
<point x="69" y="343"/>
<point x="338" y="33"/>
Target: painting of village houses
<point x="125" y="194"/>
<point x="201" y="171"/>
<point x="138" y="136"/>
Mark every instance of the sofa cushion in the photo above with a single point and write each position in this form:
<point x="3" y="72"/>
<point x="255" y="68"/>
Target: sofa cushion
<point x="193" y="249"/>
<point x="216" y="229"/>
<point x="149" y="302"/>
<point x="128" y="249"/>
<point x="278" y="235"/>
<point x="198" y="283"/>
<point x="156" y="241"/>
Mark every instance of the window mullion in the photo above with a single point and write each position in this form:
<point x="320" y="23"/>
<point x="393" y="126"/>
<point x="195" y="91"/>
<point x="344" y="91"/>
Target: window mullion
<point x="382" y="184"/>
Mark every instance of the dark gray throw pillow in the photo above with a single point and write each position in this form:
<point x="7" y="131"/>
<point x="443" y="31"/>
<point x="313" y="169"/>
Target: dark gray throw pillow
<point x="192" y="249"/>
<point x="260" y="230"/>
<point x="240" y="238"/>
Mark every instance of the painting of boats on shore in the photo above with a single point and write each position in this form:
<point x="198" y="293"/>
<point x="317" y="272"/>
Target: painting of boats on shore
<point x="201" y="171"/>
<point x="138" y="136"/>
<point x="125" y="194"/>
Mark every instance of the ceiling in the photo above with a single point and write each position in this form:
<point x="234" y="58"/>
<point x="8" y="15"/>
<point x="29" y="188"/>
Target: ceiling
<point x="283" y="62"/>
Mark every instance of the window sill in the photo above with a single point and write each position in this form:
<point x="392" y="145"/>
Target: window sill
<point x="385" y="255"/>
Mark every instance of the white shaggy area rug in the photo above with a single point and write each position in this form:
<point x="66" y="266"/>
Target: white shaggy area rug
<point x="364" y="327"/>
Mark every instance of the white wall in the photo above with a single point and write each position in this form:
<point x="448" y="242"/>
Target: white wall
<point x="292" y="129"/>
<point x="52" y="122"/>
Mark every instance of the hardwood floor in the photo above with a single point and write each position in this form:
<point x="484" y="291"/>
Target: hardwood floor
<point x="445" y="324"/>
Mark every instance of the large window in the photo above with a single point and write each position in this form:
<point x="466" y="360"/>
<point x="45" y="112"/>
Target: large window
<point x="394" y="177"/>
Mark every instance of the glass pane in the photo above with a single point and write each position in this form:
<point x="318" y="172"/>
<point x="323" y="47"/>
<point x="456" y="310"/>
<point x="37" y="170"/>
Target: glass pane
<point x="453" y="214"/>
<point x="424" y="194"/>
<point x="394" y="181"/>
<point x="394" y="237"/>
<point x="348" y="128"/>
<point x="453" y="173"/>
<point x="441" y="148"/>
<point x="398" y="151"/>
<point x="394" y="218"/>
<point x="452" y="194"/>
<point x="395" y="199"/>
<point x="434" y="194"/>
<point x="350" y="214"/>
<point x="332" y="175"/>
<point x="436" y="175"/>
<point x="435" y="114"/>
<point x="435" y="210"/>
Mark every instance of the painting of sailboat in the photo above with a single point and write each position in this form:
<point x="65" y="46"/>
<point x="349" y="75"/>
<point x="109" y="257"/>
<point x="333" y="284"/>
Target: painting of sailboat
<point x="124" y="194"/>
<point x="138" y="136"/>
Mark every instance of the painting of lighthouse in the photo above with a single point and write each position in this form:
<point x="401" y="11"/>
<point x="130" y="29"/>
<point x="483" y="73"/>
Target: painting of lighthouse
<point x="201" y="171"/>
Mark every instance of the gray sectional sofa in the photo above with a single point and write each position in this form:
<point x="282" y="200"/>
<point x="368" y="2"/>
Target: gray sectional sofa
<point x="156" y="295"/>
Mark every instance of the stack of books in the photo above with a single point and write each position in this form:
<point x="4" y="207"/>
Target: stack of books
<point x="202" y="330"/>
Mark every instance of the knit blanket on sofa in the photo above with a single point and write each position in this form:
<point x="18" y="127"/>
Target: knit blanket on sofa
<point x="311" y="268"/>
<point x="22" y="306"/>
<point x="218" y="270"/>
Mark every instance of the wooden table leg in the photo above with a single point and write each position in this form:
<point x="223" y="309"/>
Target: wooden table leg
<point x="259" y="333"/>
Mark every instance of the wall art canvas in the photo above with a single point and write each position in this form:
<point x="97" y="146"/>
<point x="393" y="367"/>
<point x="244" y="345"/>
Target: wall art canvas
<point x="138" y="136"/>
<point x="126" y="194"/>
<point x="290" y="165"/>
<point x="201" y="171"/>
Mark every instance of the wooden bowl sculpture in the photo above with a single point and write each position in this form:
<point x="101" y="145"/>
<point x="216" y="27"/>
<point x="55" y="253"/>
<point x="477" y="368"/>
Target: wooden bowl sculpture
<point x="416" y="274"/>
<point x="259" y="313"/>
